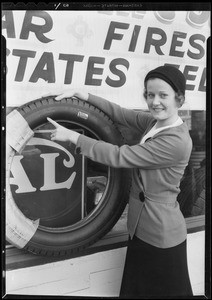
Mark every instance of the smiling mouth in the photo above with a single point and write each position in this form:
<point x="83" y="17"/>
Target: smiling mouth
<point x="157" y="109"/>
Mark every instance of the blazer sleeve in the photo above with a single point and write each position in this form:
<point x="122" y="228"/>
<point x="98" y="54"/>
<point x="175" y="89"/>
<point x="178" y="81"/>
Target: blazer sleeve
<point x="122" y="116"/>
<point x="159" y="152"/>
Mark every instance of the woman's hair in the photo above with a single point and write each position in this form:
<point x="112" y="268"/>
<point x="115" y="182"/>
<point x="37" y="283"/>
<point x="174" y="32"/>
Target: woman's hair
<point x="179" y="97"/>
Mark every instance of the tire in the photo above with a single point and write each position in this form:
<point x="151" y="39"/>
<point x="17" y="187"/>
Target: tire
<point x="63" y="233"/>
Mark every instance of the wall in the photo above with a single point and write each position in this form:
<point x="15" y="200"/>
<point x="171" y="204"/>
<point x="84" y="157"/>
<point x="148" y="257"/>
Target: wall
<point x="98" y="274"/>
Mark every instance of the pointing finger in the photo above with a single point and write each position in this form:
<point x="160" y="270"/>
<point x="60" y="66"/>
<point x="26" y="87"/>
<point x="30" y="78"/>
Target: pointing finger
<point x="53" y="122"/>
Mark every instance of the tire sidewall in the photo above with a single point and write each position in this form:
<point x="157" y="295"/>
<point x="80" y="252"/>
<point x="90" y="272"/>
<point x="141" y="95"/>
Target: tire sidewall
<point x="103" y="219"/>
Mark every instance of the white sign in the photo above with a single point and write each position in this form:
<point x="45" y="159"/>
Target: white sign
<point x="108" y="53"/>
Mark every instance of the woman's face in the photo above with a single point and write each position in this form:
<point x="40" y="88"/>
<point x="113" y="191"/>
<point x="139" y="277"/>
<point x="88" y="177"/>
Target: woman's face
<point x="161" y="101"/>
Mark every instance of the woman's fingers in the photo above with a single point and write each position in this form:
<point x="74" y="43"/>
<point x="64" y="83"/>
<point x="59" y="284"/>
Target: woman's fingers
<point x="52" y="136"/>
<point x="53" y="122"/>
<point x="55" y="94"/>
<point x="66" y="94"/>
<point x="59" y="133"/>
<point x="60" y="97"/>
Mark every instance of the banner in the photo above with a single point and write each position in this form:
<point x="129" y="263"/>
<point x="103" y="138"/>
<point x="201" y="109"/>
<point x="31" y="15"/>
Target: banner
<point x="107" y="53"/>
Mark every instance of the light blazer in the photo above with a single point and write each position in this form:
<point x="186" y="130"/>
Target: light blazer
<point x="158" y="166"/>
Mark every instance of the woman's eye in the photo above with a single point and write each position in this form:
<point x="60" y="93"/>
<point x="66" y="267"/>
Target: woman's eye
<point x="163" y="96"/>
<point x="150" y="96"/>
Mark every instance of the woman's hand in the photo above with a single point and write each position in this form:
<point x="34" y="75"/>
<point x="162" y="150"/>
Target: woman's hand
<point x="63" y="134"/>
<point x="68" y="94"/>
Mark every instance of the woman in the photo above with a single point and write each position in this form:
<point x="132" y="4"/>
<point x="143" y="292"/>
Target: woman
<point x="156" y="259"/>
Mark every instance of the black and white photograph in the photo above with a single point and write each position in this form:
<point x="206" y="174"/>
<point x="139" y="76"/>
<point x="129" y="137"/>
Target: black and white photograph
<point x="105" y="150"/>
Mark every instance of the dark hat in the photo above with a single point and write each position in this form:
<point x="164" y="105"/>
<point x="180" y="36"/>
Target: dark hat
<point x="171" y="75"/>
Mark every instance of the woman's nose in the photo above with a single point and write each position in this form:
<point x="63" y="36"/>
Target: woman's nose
<point x="156" y="100"/>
